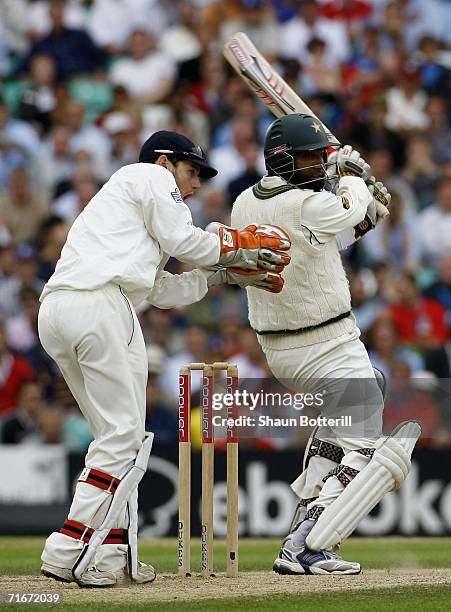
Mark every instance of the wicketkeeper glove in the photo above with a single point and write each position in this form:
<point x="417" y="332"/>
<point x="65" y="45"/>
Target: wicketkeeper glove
<point x="262" y="279"/>
<point x="378" y="208"/>
<point x="349" y="162"/>
<point x="256" y="247"/>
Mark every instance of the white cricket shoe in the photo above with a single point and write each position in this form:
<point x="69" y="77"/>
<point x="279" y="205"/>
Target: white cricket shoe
<point x="300" y="560"/>
<point x="92" y="578"/>
<point x="146" y="573"/>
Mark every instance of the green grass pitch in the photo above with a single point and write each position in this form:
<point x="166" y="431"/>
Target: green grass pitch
<point x="19" y="556"/>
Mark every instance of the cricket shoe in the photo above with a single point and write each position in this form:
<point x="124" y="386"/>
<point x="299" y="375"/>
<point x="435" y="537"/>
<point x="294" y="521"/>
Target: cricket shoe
<point x="146" y="573"/>
<point x="301" y="560"/>
<point x="92" y="578"/>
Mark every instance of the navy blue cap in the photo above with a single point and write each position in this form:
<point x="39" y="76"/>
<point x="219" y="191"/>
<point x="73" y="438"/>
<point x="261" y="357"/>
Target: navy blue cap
<point x="175" y="146"/>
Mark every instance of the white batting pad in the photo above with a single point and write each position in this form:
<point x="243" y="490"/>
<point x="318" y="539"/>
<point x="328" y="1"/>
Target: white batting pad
<point x="386" y="471"/>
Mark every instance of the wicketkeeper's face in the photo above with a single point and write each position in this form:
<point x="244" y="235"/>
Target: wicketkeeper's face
<point x="187" y="178"/>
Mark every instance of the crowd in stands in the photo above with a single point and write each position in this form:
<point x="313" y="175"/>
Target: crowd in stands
<point x="84" y="82"/>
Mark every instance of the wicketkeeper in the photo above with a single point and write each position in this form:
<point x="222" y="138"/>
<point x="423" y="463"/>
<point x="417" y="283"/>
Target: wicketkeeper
<point x="311" y="340"/>
<point x="112" y="261"/>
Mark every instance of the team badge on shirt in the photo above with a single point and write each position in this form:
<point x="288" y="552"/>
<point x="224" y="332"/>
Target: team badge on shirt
<point x="176" y="196"/>
<point x="346" y="203"/>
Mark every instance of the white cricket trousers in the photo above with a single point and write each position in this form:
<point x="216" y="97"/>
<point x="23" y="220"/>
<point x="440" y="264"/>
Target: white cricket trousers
<point x="96" y="340"/>
<point x="326" y="366"/>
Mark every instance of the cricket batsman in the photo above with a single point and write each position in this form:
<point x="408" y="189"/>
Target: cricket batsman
<point x="309" y="336"/>
<point x="113" y="260"/>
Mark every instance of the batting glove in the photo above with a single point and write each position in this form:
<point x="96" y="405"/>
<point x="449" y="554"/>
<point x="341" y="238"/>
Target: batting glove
<point x="350" y="163"/>
<point x="381" y="195"/>
<point x="377" y="209"/>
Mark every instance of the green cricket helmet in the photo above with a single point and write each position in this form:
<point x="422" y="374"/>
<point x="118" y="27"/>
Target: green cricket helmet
<point x="294" y="134"/>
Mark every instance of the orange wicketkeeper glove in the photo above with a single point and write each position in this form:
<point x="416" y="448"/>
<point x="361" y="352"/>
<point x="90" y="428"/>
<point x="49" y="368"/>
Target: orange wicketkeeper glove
<point x="255" y="247"/>
<point x="262" y="279"/>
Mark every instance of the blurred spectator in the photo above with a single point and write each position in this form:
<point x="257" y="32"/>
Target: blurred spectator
<point x="296" y="33"/>
<point x="441" y="289"/>
<point x="366" y="305"/>
<point x="392" y="24"/>
<point x="21" y="201"/>
<point x="420" y="320"/>
<point x="420" y="19"/>
<point x="383" y="166"/>
<point x="398" y="239"/>
<point x="50" y="426"/>
<point x="221" y="314"/>
<point x="385" y="350"/>
<point x="250" y="359"/>
<point x="210" y="205"/>
<point x="51" y="239"/>
<point x="73" y="50"/>
<point x="234" y="92"/>
<point x="256" y="19"/>
<point x="370" y="132"/>
<point x="408" y="398"/>
<point x="23" y="422"/>
<point x="251" y="174"/>
<point x="207" y="94"/>
<point x="147" y="74"/>
<point x="110" y="22"/>
<point x="409" y="20"/>
<point x="9" y="284"/>
<point x="230" y="158"/>
<point x="19" y="143"/>
<point x="319" y="75"/>
<point x="180" y="115"/>
<point x="13" y="31"/>
<point x="40" y="22"/>
<point x="22" y="328"/>
<point x="38" y="100"/>
<point x="438" y="131"/>
<point x="196" y="351"/>
<point x="122" y="102"/>
<point x="434" y="66"/>
<point x="119" y="127"/>
<point x="14" y="372"/>
<point x="83" y="188"/>
<point x="371" y="67"/>
<point x="248" y="108"/>
<point x="161" y="417"/>
<point x="87" y="139"/>
<point x="56" y="162"/>
<point x="180" y="41"/>
<point x="158" y="329"/>
<point x="435" y="223"/>
<point x="77" y="433"/>
<point x="406" y="102"/>
<point x="420" y="171"/>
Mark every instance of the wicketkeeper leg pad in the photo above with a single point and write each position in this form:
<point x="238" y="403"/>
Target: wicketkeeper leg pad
<point x="125" y="489"/>
<point x="386" y="471"/>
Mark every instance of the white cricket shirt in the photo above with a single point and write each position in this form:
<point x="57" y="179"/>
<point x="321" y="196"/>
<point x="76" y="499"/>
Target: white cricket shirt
<point x="129" y="227"/>
<point x="316" y="288"/>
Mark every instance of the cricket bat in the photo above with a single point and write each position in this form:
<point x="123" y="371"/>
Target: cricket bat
<point x="265" y="82"/>
<point x="268" y="85"/>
